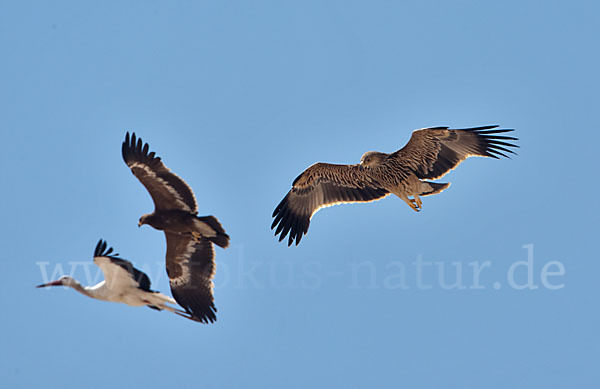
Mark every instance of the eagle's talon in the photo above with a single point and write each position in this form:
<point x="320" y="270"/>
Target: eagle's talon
<point x="415" y="204"/>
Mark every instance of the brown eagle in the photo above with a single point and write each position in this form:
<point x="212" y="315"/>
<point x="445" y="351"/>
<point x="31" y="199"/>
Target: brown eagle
<point x="190" y="254"/>
<point x="429" y="154"/>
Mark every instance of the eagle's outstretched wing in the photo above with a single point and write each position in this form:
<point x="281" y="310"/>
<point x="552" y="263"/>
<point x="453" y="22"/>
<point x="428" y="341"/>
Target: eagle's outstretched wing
<point x="191" y="268"/>
<point x="432" y="152"/>
<point x="167" y="189"/>
<point x="322" y="185"/>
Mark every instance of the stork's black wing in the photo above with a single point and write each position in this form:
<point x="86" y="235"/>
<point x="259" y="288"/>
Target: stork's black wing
<point x="167" y="189"/>
<point x="191" y="268"/>
<point x="118" y="270"/>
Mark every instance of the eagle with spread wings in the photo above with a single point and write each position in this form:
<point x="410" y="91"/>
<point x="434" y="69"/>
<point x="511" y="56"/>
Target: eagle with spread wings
<point x="190" y="255"/>
<point x="429" y="155"/>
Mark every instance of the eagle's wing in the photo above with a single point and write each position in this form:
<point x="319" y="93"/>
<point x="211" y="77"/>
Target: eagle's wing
<point x="118" y="272"/>
<point x="322" y="185"/>
<point x="191" y="268"/>
<point x="433" y="152"/>
<point x="167" y="189"/>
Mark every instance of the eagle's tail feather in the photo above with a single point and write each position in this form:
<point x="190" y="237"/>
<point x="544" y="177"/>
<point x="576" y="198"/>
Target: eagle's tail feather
<point x="431" y="188"/>
<point x="221" y="239"/>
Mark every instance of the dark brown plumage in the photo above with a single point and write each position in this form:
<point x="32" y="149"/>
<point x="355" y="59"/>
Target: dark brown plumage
<point x="191" y="268"/>
<point x="190" y="258"/>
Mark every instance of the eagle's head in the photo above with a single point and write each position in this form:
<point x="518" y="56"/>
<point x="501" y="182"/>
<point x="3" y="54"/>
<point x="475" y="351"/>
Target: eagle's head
<point x="372" y="158"/>
<point x="144" y="220"/>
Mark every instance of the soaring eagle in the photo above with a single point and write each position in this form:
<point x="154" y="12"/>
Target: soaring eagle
<point x="429" y="155"/>
<point x="190" y="254"/>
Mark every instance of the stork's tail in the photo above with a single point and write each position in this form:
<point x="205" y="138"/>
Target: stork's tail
<point x="431" y="188"/>
<point x="160" y="301"/>
<point x="221" y="239"/>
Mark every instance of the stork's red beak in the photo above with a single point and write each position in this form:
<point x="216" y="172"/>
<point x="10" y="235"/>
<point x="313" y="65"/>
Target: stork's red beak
<point x="53" y="283"/>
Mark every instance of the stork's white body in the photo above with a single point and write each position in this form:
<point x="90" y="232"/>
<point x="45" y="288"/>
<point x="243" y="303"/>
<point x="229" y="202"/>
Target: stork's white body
<point x="122" y="284"/>
<point x="133" y="296"/>
<point x="118" y="286"/>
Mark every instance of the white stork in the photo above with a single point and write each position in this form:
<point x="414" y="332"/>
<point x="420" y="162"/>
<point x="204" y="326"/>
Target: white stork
<point x="122" y="283"/>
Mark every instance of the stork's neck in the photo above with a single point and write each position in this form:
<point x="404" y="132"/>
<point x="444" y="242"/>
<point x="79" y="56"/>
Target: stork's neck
<point x="90" y="291"/>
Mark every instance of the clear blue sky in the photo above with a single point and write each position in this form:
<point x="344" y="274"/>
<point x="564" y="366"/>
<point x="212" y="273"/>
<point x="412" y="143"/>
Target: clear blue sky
<point x="238" y="98"/>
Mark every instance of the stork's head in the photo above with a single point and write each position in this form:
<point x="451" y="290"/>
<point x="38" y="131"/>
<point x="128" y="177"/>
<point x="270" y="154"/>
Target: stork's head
<point x="64" y="280"/>
<point x="372" y="158"/>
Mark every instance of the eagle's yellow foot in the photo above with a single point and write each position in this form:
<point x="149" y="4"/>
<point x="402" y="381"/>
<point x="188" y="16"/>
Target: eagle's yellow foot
<point x="419" y="202"/>
<point x="196" y="236"/>
<point x="415" y="205"/>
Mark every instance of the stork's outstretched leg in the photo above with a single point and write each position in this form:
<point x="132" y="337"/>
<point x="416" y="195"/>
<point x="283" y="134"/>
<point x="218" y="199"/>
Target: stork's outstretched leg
<point x="179" y="312"/>
<point x="185" y="314"/>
